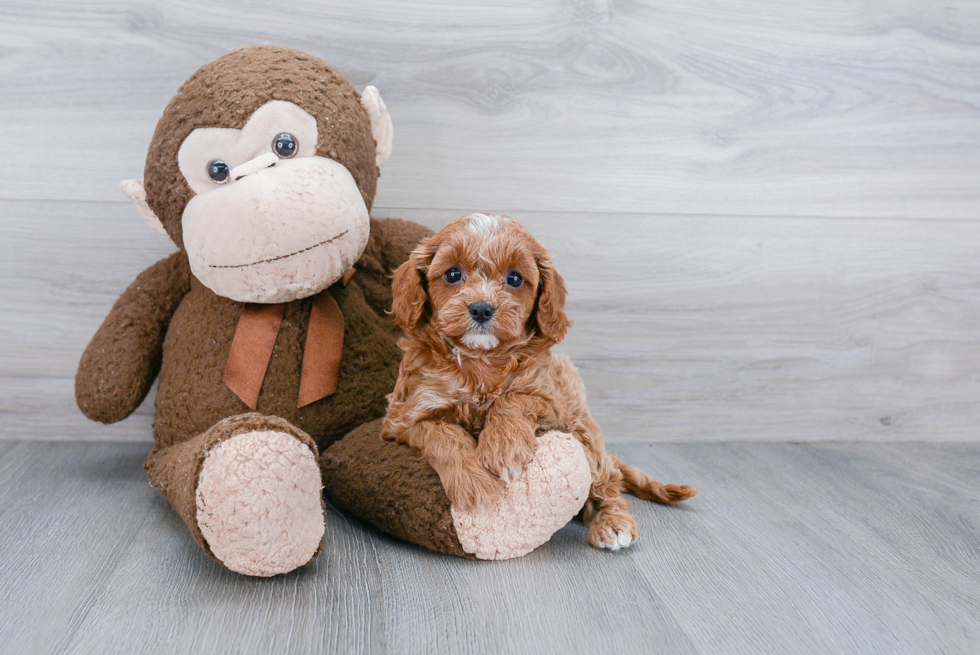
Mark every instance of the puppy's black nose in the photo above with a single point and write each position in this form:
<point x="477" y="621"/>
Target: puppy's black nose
<point x="481" y="312"/>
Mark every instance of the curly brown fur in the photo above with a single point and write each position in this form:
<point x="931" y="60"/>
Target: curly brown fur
<point x="471" y="394"/>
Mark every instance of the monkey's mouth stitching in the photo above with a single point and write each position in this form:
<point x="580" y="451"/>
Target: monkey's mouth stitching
<point x="275" y="259"/>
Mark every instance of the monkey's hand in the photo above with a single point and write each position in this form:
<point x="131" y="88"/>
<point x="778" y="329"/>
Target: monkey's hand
<point x="123" y="358"/>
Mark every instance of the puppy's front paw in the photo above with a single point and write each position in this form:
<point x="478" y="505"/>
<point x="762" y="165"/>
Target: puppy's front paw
<point x="613" y="530"/>
<point x="470" y="486"/>
<point x="505" y="455"/>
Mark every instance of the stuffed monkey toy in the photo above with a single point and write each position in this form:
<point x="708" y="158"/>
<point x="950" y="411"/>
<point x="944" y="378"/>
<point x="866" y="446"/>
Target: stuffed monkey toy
<point x="269" y="330"/>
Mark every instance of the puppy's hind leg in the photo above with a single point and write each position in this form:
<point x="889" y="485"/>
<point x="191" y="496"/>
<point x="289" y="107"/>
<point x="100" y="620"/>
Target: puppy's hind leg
<point x="606" y="512"/>
<point x="642" y="486"/>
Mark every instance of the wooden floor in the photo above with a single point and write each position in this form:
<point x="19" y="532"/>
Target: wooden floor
<point x="809" y="548"/>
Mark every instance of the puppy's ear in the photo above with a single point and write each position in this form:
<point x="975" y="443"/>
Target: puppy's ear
<point x="409" y="285"/>
<point x="552" y="322"/>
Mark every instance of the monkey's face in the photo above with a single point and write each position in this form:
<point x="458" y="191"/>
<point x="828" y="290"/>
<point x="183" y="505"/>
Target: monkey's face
<point x="270" y="220"/>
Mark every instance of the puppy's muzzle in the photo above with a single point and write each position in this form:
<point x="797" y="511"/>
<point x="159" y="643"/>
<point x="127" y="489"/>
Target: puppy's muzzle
<point x="481" y="312"/>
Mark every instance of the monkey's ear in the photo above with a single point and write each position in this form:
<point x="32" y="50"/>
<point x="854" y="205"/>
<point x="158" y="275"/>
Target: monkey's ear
<point x="134" y="189"/>
<point x="381" y="127"/>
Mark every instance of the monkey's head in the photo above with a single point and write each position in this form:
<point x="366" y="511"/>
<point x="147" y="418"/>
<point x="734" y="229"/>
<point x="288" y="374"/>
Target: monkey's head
<point x="263" y="168"/>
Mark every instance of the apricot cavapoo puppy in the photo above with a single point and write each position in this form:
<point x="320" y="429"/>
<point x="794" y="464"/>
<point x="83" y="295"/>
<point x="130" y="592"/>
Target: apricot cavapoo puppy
<point x="481" y="306"/>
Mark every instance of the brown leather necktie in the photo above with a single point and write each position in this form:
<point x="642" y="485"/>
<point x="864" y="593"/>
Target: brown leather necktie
<point x="255" y="338"/>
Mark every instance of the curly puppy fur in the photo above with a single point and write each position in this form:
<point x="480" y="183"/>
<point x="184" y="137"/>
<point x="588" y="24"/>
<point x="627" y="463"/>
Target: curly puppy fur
<point x="481" y="305"/>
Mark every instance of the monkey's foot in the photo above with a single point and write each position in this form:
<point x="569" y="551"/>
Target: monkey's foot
<point x="250" y="490"/>
<point x="548" y="494"/>
<point x="258" y="503"/>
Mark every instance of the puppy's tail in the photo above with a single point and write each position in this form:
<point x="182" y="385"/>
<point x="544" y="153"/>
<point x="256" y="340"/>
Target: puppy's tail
<point x="642" y="486"/>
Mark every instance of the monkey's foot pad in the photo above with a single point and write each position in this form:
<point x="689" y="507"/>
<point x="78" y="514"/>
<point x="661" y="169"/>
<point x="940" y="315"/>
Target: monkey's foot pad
<point x="551" y="491"/>
<point x="259" y="503"/>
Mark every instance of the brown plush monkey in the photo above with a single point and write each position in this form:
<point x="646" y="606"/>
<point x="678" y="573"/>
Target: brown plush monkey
<point x="268" y="327"/>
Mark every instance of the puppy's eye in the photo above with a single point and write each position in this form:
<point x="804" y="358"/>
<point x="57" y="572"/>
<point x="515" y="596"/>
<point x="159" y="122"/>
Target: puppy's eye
<point x="453" y="275"/>
<point x="218" y="171"/>
<point x="514" y="279"/>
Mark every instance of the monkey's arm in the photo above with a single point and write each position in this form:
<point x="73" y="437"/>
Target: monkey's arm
<point x="392" y="241"/>
<point x="123" y="358"/>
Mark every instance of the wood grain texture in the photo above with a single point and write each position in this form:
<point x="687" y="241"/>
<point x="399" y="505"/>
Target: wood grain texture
<point x="746" y="107"/>
<point x="848" y="547"/>
<point x="686" y="327"/>
<point x="67" y="516"/>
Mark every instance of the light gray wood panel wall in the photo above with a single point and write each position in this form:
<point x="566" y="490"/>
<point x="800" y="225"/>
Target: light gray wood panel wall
<point x="687" y="328"/>
<point x="766" y="211"/>
<point x="839" y="108"/>
<point x="856" y="548"/>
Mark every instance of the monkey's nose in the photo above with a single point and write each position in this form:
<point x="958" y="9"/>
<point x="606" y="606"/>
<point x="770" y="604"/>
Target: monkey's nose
<point x="481" y="312"/>
<point x="254" y="165"/>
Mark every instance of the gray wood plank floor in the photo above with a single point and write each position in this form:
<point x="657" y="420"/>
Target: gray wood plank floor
<point x="857" y="548"/>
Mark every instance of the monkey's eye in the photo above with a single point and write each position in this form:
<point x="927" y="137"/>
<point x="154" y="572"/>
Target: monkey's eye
<point x="218" y="171"/>
<point x="514" y="279"/>
<point x="453" y="275"/>
<point x="285" y="145"/>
